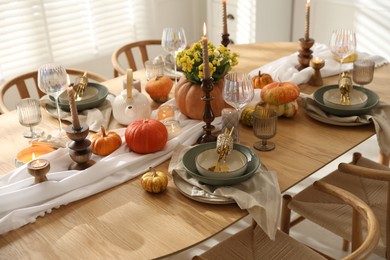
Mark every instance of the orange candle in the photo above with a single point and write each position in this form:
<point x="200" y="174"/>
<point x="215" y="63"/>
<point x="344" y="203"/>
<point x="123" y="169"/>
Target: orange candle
<point x="73" y="109"/>
<point x="206" y="68"/>
<point x="31" y="153"/>
<point x="224" y="17"/>
<point x="307" y="27"/>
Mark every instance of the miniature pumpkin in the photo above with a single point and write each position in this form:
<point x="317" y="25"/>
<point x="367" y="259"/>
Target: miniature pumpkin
<point x="158" y="88"/>
<point x="279" y="93"/>
<point x="261" y="80"/>
<point x="146" y="136"/>
<point x="154" y="181"/>
<point x="104" y="143"/>
<point x="247" y="115"/>
<point x="289" y="109"/>
<point x="188" y="97"/>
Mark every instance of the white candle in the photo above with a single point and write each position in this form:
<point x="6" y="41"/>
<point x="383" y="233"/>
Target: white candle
<point x="73" y="109"/>
<point x="224" y="17"/>
<point x="206" y="66"/>
<point x="307" y="27"/>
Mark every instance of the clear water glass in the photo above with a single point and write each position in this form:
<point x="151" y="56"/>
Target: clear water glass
<point x="29" y="113"/>
<point x="53" y="80"/>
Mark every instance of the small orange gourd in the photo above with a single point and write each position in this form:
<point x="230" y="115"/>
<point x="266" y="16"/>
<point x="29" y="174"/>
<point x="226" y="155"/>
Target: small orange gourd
<point x="158" y="88"/>
<point x="104" y="143"/>
<point x="261" y="80"/>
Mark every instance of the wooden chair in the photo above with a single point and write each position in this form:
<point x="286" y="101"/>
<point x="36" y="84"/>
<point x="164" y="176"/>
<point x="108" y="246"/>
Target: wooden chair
<point x="127" y="51"/>
<point x="253" y="243"/>
<point x="368" y="180"/>
<point x="29" y="82"/>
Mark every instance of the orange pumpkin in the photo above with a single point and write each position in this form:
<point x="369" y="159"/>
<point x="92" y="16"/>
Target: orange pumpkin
<point x="261" y="80"/>
<point x="146" y="136"/>
<point x="104" y="143"/>
<point x="158" y="88"/>
<point x="188" y="98"/>
<point x="279" y="93"/>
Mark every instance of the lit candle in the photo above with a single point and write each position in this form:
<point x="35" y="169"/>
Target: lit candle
<point x="307" y="27"/>
<point x="31" y="153"/>
<point x="39" y="168"/>
<point x="129" y="84"/>
<point x="73" y="108"/>
<point x="224" y="17"/>
<point x="206" y="68"/>
<point x="173" y="128"/>
<point x="165" y="112"/>
<point x="318" y="60"/>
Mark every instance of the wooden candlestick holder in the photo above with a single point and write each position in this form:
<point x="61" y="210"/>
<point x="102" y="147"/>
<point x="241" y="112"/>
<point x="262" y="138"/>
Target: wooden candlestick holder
<point x="79" y="148"/>
<point x="316" y="78"/>
<point x="208" y="114"/>
<point x="38" y="169"/>
<point x="305" y="53"/>
<point x="225" y="40"/>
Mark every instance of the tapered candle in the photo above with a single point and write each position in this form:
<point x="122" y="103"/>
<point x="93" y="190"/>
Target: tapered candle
<point x="73" y="109"/>
<point x="206" y="66"/>
<point x="129" y="84"/>
<point x="307" y="27"/>
<point x="224" y="17"/>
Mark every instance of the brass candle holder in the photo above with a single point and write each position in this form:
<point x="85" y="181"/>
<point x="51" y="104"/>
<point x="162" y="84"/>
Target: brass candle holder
<point x="79" y="148"/>
<point x="305" y="53"/>
<point x="208" y="114"/>
<point x="317" y="64"/>
<point x="38" y="168"/>
<point x="225" y="39"/>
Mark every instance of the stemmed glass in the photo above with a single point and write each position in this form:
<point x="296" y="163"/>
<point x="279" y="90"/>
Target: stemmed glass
<point x="342" y="44"/>
<point x="29" y="113"/>
<point x="173" y="40"/>
<point x="237" y="90"/>
<point x="53" y="80"/>
<point x="264" y="127"/>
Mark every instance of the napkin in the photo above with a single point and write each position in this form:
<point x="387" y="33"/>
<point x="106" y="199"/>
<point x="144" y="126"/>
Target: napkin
<point x="21" y="202"/>
<point x="379" y="115"/>
<point x="260" y="194"/>
<point x="284" y="69"/>
<point x="94" y="117"/>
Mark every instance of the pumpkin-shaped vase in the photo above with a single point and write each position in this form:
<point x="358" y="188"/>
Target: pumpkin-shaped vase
<point x="126" y="110"/>
<point x="188" y="98"/>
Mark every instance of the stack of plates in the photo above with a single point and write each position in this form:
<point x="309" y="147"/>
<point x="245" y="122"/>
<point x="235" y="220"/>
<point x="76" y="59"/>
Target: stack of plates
<point x="190" y="165"/>
<point x="362" y="100"/>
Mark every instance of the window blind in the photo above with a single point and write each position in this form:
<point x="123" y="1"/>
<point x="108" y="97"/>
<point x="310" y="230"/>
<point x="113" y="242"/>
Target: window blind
<point x="34" y="32"/>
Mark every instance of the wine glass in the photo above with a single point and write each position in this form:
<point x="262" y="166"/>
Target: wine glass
<point x="342" y="44"/>
<point x="53" y="80"/>
<point x="173" y="41"/>
<point x="264" y="127"/>
<point x="363" y="71"/>
<point x="237" y="92"/>
<point x="29" y="113"/>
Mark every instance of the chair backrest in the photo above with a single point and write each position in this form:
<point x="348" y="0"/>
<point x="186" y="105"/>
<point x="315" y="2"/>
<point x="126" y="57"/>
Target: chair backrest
<point x="375" y="174"/>
<point x="127" y="50"/>
<point x="27" y="84"/>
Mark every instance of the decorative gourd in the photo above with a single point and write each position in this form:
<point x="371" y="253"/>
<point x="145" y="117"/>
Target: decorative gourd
<point x="188" y="98"/>
<point x="130" y="105"/>
<point x="146" y="136"/>
<point x="154" y="181"/>
<point x="247" y="115"/>
<point x="289" y="109"/>
<point x="261" y="80"/>
<point x="158" y="88"/>
<point x="104" y="143"/>
<point x="279" y="93"/>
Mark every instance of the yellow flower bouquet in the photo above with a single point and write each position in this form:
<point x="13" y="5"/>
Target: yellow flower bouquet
<point x="221" y="61"/>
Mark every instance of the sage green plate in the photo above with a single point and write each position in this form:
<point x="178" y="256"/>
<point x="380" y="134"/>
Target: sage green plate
<point x="95" y="94"/>
<point x="189" y="164"/>
<point x="372" y="101"/>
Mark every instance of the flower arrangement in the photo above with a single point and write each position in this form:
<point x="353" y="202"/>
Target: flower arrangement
<point x="221" y="61"/>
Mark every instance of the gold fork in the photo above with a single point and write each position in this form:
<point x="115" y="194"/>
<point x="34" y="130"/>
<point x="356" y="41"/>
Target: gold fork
<point x="81" y="86"/>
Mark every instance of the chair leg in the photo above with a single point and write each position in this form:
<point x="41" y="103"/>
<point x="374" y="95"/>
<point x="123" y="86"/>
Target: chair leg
<point x="286" y="214"/>
<point x="345" y="245"/>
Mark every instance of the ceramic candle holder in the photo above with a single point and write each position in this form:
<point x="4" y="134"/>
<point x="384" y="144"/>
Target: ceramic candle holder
<point x="38" y="168"/>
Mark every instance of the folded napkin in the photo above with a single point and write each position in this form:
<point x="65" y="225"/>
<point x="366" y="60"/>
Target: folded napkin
<point x="21" y="201"/>
<point x="260" y="194"/>
<point x="379" y="115"/>
<point x="284" y="69"/>
<point x="94" y="117"/>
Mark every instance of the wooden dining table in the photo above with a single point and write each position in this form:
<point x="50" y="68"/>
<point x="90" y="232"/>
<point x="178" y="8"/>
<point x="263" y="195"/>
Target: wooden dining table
<point x="127" y="222"/>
